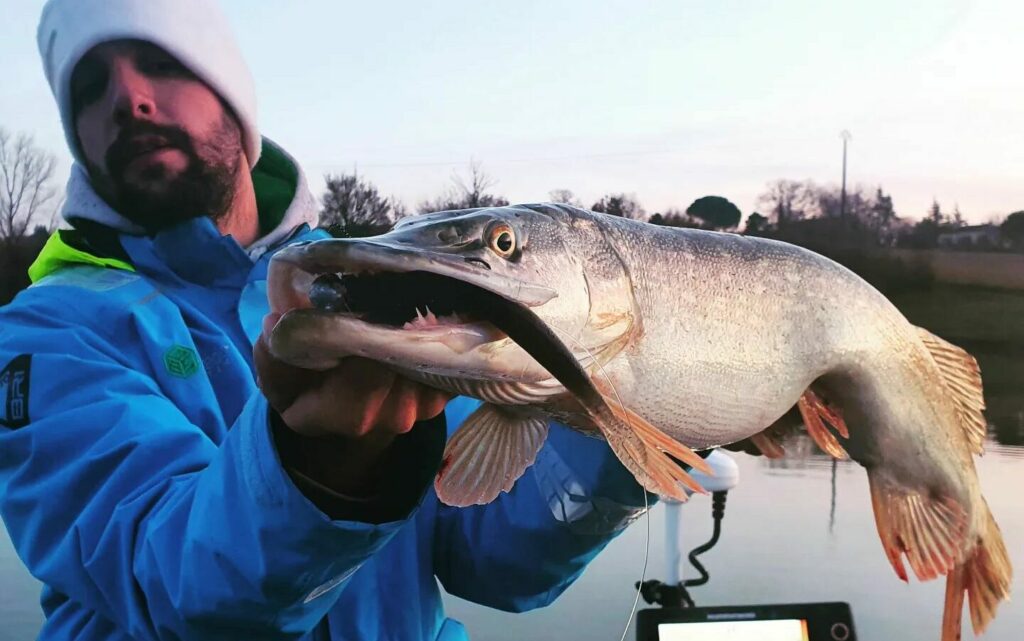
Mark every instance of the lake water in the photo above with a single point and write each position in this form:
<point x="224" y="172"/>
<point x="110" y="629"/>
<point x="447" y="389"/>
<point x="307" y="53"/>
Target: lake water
<point x="785" y="538"/>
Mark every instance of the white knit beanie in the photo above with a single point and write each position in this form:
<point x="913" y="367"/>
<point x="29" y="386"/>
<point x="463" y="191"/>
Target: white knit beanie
<point x="195" y="32"/>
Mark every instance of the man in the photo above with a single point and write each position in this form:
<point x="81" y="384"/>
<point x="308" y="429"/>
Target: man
<point x="163" y="477"/>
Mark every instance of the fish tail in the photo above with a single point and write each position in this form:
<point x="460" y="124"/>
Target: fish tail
<point x="952" y="612"/>
<point x="985" y="576"/>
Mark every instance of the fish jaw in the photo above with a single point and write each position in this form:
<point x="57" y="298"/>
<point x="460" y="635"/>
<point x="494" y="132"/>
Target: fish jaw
<point x="316" y="339"/>
<point x="380" y="254"/>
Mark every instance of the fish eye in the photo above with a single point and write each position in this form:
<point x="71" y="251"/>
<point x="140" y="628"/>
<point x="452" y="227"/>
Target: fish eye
<point x="502" y="240"/>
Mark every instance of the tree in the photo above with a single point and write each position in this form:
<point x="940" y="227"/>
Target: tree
<point x="674" y="218"/>
<point x="756" y="224"/>
<point x="26" y="172"/>
<point x="623" y="205"/>
<point x="465" y="194"/>
<point x="1013" y="229"/>
<point x="564" y="196"/>
<point x="784" y="201"/>
<point x="352" y="207"/>
<point x="715" y="211"/>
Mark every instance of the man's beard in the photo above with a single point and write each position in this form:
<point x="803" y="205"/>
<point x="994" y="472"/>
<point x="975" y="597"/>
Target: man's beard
<point x="205" y="187"/>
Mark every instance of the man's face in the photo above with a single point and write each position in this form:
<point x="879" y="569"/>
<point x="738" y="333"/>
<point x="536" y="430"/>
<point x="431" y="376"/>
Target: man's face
<point x="159" y="144"/>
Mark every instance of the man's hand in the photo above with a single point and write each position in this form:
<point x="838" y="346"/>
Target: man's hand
<point x="350" y="414"/>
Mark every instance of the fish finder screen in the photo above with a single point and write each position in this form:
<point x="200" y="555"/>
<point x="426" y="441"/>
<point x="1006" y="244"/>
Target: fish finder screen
<point x="765" y="630"/>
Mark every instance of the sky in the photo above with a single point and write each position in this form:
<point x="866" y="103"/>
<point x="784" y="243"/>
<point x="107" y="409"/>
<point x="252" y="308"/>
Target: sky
<point x="668" y="100"/>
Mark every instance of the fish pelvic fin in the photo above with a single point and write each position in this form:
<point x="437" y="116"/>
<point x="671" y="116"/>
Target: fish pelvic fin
<point x="487" y="455"/>
<point x="769" y="446"/>
<point x="929" y="531"/>
<point x="987" y="574"/>
<point x="648" y="452"/>
<point x="962" y="378"/>
<point x="815" y="413"/>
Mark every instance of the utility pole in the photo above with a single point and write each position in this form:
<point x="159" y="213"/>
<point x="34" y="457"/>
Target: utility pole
<point x="845" y="135"/>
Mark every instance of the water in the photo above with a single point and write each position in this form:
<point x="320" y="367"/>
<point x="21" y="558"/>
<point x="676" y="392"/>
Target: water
<point x="781" y="542"/>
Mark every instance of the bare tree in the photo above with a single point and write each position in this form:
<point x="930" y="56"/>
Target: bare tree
<point x="466" y="194"/>
<point x="564" y="196"/>
<point x="784" y="201"/>
<point x="26" y="172"/>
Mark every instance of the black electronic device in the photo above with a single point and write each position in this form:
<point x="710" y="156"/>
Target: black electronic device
<point x="787" y="622"/>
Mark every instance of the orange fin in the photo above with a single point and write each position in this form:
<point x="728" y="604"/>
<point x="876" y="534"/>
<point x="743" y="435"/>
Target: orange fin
<point x="770" y="447"/>
<point x="953" y="609"/>
<point x="645" y="450"/>
<point x="987" y="575"/>
<point x="487" y="454"/>
<point x="929" y="532"/>
<point x="813" y="410"/>
<point x="962" y="378"/>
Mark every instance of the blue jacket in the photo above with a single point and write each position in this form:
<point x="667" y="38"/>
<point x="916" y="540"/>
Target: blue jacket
<point x="140" y="483"/>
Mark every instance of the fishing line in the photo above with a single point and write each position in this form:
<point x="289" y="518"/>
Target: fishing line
<point x="647" y="506"/>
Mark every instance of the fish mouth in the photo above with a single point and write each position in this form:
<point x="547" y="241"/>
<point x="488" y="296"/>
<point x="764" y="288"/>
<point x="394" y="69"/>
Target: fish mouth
<point x="343" y="297"/>
<point x="417" y="303"/>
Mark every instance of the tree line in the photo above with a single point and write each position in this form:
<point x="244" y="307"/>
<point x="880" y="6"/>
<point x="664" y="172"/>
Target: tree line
<point x="821" y="217"/>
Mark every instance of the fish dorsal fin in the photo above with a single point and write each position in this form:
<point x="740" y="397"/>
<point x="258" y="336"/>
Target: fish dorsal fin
<point x="487" y="455"/>
<point x="962" y="377"/>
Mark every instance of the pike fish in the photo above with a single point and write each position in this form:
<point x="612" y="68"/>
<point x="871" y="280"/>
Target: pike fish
<point x="664" y="342"/>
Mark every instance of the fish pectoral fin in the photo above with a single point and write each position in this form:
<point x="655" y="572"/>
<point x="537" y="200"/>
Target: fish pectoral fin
<point x="647" y="452"/>
<point x="815" y="412"/>
<point x="962" y="378"/>
<point x="488" y="453"/>
<point x="930" y="531"/>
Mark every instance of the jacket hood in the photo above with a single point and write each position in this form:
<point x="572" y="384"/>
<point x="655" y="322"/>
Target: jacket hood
<point x="282" y="196"/>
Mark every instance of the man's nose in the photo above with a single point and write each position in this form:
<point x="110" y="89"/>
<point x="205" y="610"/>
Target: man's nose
<point x="131" y="95"/>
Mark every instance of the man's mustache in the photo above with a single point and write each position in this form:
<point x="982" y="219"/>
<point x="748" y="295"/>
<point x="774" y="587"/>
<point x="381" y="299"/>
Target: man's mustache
<point x="141" y="137"/>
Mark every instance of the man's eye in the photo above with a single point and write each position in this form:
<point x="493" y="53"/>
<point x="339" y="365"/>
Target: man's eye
<point x="88" y="89"/>
<point x="164" y="67"/>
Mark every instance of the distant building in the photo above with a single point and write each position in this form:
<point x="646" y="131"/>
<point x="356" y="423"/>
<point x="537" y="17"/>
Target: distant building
<point x="972" y="237"/>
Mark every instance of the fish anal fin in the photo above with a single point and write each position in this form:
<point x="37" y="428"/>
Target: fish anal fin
<point x="646" y="451"/>
<point x="928" y="531"/>
<point x="814" y="410"/>
<point x="962" y="377"/>
<point x="487" y="454"/>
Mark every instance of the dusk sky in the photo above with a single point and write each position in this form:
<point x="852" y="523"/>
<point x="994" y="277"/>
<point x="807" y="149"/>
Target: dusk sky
<point x="669" y="100"/>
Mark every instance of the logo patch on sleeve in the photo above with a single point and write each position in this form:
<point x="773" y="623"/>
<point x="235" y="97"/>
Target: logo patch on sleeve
<point x="181" y="361"/>
<point x="14" y="392"/>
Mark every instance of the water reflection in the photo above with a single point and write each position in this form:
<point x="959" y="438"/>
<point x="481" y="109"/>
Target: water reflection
<point x="1008" y="429"/>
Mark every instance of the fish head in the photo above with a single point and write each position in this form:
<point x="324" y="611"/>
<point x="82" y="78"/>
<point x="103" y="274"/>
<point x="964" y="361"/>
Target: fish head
<point x="440" y="293"/>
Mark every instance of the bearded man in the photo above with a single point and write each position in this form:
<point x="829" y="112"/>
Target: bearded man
<point x="160" y="472"/>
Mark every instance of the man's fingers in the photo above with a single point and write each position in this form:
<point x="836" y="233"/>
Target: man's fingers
<point x="431" y="402"/>
<point x="346" y="401"/>
<point x="401" y="411"/>
<point x="280" y="382"/>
